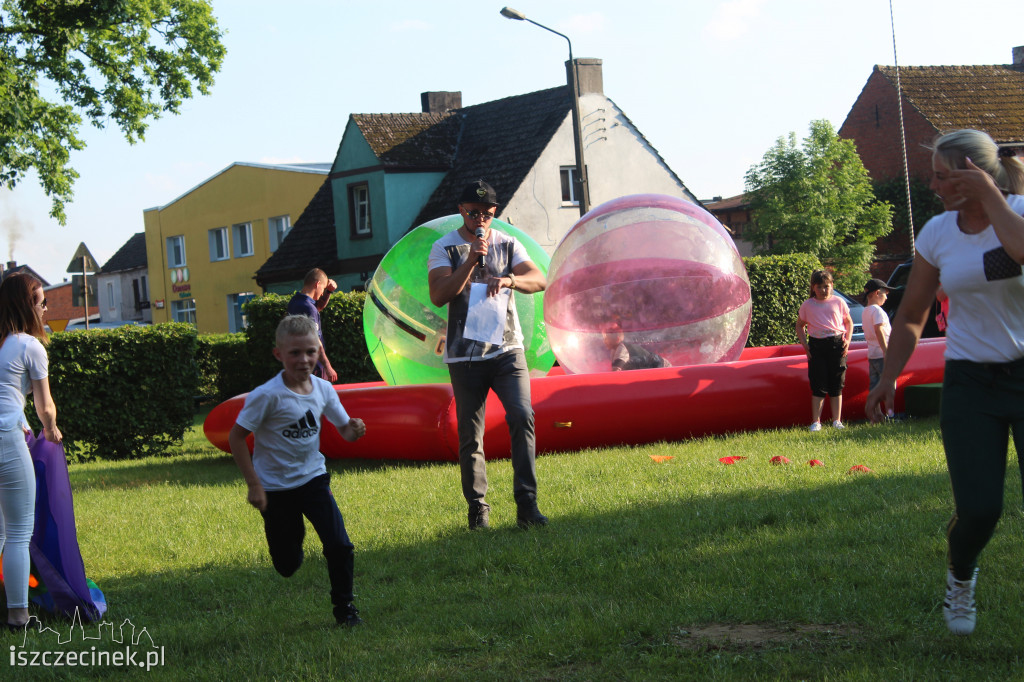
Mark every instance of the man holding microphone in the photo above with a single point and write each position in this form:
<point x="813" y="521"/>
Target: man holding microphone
<point x="474" y="271"/>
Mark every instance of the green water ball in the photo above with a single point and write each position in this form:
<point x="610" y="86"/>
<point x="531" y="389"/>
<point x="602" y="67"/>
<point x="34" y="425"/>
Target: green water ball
<point x="405" y="332"/>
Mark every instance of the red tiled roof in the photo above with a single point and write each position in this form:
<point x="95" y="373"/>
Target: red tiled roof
<point x="989" y="98"/>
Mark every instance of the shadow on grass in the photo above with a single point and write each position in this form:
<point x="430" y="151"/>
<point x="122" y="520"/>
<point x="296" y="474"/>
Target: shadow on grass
<point x="598" y="595"/>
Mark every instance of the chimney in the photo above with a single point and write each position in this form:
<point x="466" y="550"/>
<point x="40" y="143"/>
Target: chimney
<point x="1018" y="56"/>
<point x="440" y="102"/>
<point x="591" y="79"/>
<point x="11" y="264"/>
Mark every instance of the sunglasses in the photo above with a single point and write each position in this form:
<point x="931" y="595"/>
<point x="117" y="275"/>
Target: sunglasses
<point x="42" y="304"/>
<point x="479" y="214"/>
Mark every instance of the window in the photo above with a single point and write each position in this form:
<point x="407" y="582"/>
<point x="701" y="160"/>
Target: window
<point x="279" y="228"/>
<point x="359" y="210"/>
<point x="218" y="244"/>
<point x="243" y="239"/>
<point x="569" y="183"/>
<point x="184" y="311"/>
<point x="110" y="297"/>
<point x="237" y="319"/>
<point x="176" y="252"/>
<point x="140" y="293"/>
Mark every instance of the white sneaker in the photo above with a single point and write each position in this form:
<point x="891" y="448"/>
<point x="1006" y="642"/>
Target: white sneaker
<point x="838" y="425"/>
<point x="816" y="426"/>
<point x="959" y="609"/>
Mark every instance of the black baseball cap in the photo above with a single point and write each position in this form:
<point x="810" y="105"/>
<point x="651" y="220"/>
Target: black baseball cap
<point x="479" y="192"/>
<point x="875" y="285"/>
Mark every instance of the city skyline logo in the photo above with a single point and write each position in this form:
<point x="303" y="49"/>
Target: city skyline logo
<point x="109" y="645"/>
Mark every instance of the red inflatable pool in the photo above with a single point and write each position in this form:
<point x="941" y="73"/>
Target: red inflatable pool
<point x="766" y="388"/>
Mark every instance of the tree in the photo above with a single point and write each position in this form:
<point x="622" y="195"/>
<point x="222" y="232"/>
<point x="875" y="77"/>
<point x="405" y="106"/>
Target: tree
<point x="123" y="60"/>
<point x="817" y="200"/>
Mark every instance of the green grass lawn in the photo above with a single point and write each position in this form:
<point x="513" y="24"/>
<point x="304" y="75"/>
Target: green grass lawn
<point x="677" y="570"/>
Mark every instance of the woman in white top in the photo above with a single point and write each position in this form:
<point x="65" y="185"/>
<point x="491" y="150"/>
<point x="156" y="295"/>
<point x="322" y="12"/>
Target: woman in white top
<point x="23" y="370"/>
<point x="976" y="246"/>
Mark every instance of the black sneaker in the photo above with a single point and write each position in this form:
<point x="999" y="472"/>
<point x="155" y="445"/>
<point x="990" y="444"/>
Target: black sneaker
<point x="479" y="516"/>
<point x="529" y="515"/>
<point x="348" y="616"/>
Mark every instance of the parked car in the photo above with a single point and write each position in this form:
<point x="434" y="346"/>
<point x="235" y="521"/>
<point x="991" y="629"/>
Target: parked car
<point x="80" y="326"/>
<point x="856" y="312"/>
<point x="898" y="283"/>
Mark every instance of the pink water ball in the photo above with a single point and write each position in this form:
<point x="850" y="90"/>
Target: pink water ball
<point x="650" y="276"/>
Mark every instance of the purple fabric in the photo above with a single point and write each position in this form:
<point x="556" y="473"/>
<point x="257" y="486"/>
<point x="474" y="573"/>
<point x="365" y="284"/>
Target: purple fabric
<point x="54" y="547"/>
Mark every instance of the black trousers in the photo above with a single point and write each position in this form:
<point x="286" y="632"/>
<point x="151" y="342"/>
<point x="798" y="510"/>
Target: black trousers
<point x="285" y="529"/>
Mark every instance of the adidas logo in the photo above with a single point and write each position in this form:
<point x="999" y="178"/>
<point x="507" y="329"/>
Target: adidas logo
<point x="304" y="428"/>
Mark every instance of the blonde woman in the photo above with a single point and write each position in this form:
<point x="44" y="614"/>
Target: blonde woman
<point x="976" y="247"/>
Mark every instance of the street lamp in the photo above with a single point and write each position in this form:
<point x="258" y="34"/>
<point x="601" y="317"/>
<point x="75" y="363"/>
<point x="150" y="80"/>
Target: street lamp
<point x="583" y="187"/>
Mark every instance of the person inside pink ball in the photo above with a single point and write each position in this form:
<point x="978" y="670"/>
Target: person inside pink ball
<point x="627" y="356"/>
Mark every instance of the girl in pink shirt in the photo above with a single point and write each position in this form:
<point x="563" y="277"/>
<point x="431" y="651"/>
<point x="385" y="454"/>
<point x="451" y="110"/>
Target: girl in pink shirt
<point x="824" y="328"/>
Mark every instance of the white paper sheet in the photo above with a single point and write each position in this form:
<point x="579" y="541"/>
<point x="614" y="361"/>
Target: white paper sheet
<point x="485" y="320"/>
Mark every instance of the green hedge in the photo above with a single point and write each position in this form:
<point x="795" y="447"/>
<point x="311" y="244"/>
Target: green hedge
<point x="344" y="342"/>
<point x="778" y="285"/>
<point x="123" y="393"/>
<point x="224" y="366"/>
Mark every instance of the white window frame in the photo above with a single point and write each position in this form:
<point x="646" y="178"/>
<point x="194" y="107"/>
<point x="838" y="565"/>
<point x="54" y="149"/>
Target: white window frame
<point x="220" y="248"/>
<point x="359" y="206"/>
<point x="176" y="251"/>
<point x="242" y="237"/>
<point x="184" y="310"/>
<point x="568" y="174"/>
<point x="239" y="322"/>
<point x="278" y="228"/>
<point x="110" y="297"/>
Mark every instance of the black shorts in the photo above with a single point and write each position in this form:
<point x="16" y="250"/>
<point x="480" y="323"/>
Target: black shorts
<point x="826" y="367"/>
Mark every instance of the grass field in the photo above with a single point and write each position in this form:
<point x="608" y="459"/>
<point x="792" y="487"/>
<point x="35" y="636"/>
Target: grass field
<point x="685" y="569"/>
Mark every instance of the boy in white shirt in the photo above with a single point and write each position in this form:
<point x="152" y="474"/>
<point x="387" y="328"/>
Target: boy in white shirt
<point x="286" y="475"/>
<point x="876" y="328"/>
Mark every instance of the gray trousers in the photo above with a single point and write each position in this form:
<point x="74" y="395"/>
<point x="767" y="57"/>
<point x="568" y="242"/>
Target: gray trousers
<point x="509" y="378"/>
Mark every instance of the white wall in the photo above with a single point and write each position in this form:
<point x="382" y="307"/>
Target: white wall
<point x="619" y="162"/>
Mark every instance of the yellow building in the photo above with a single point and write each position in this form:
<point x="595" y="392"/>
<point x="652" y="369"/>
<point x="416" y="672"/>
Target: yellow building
<point x="203" y="248"/>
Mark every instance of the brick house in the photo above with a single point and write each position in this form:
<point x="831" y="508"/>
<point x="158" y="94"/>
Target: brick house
<point x="936" y="99"/>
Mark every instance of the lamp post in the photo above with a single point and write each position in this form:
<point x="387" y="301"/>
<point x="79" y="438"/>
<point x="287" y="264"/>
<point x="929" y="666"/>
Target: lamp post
<point x="582" y="186"/>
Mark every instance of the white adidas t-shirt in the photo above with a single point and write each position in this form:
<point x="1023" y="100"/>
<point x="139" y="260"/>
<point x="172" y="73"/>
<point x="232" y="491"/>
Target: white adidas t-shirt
<point x="287" y="430"/>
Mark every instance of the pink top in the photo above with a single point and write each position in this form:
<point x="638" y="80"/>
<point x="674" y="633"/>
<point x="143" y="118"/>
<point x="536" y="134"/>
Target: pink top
<point x="824" y="318"/>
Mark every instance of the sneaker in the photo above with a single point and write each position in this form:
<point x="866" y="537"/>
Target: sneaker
<point x="959" y="609"/>
<point x="528" y="515"/>
<point x="838" y="425"/>
<point x="348" y="616"/>
<point x="479" y="516"/>
<point x="816" y="426"/>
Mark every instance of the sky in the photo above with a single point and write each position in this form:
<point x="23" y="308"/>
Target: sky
<point x="711" y="85"/>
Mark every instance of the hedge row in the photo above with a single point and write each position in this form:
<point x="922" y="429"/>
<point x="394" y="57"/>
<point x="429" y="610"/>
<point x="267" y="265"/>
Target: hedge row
<point x="123" y="393"/>
<point x="778" y="285"/>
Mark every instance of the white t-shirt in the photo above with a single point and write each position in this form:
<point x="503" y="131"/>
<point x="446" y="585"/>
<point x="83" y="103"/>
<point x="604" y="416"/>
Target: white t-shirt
<point x="874" y="315"/>
<point x="985" y="288"/>
<point x="22" y="359"/>
<point x="504" y="252"/>
<point x="287" y="427"/>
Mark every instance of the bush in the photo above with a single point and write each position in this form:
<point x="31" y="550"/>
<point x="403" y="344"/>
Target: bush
<point x="778" y="285"/>
<point x="123" y="393"/>
<point x="344" y="341"/>
<point x="223" y="365"/>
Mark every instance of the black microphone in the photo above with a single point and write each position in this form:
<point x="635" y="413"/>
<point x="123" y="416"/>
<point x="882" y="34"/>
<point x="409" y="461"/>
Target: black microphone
<point x="480" y="235"/>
